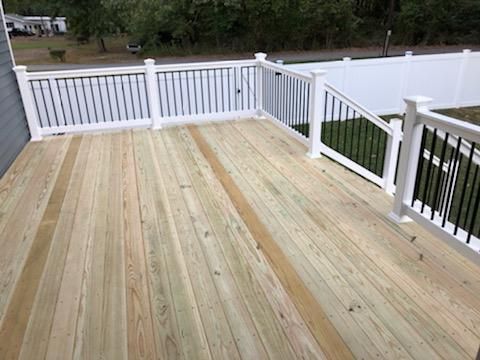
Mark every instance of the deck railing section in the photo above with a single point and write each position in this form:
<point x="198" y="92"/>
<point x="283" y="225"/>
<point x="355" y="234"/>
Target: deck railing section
<point x="286" y="98"/>
<point x="439" y="181"/>
<point x="331" y="123"/>
<point x="435" y="178"/>
<point x="359" y="139"/>
<point x="152" y="95"/>
<point x="189" y="92"/>
<point x="135" y="96"/>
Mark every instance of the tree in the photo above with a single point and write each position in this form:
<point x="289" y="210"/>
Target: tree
<point x="94" y="18"/>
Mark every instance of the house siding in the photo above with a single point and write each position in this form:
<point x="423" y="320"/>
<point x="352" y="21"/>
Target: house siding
<point x="14" y="132"/>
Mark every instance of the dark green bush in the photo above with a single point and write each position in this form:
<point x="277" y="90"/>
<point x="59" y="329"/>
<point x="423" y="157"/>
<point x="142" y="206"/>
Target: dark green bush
<point x="58" y="54"/>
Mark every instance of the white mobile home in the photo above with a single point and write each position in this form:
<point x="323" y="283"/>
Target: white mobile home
<point x="39" y="25"/>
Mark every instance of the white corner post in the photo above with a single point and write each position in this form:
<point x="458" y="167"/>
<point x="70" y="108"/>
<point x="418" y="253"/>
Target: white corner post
<point x="391" y="155"/>
<point x="28" y="105"/>
<point x="317" y="104"/>
<point x="407" y="166"/>
<point x="260" y="58"/>
<point x="152" y="93"/>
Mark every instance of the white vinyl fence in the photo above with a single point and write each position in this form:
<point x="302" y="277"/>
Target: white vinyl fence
<point x="381" y="84"/>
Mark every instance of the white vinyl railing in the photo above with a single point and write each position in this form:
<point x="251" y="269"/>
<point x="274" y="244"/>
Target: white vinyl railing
<point x="136" y="96"/>
<point x="325" y="119"/>
<point x="69" y="101"/>
<point x="359" y="139"/>
<point x="438" y="181"/>
<point x="286" y="98"/>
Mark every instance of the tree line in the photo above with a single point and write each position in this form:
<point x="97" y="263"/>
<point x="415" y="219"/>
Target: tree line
<point x="247" y="25"/>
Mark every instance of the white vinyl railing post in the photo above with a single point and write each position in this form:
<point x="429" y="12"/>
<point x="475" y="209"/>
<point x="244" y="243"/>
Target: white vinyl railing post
<point x="346" y="66"/>
<point x="26" y="94"/>
<point x="317" y="103"/>
<point x="152" y="93"/>
<point x="407" y="167"/>
<point x="391" y="155"/>
<point x="260" y="57"/>
<point x="461" y="77"/>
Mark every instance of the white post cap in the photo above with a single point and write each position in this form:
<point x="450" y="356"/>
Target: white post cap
<point x="318" y="72"/>
<point x="149" y="61"/>
<point x="260" y="56"/>
<point x="418" y="100"/>
<point x="19" y="68"/>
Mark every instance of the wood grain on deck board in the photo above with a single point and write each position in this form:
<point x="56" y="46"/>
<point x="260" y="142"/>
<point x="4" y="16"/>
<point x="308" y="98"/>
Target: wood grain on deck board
<point x="151" y="257"/>
<point x="17" y="315"/>
<point x="326" y="335"/>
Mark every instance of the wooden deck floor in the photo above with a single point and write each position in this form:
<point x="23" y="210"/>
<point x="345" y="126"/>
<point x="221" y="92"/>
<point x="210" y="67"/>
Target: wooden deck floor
<point x="220" y="241"/>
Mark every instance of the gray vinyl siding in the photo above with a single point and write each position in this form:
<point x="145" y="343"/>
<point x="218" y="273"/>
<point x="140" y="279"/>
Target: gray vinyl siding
<point x="14" y="132"/>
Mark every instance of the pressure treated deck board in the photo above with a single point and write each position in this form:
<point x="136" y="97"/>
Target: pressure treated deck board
<point x="216" y="208"/>
<point x="36" y="339"/>
<point x="333" y="273"/>
<point x="466" y="337"/>
<point x="193" y="341"/>
<point x="241" y="324"/>
<point x="256" y="266"/>
<point x="312" y="312"/>
<point x="18" y="312"/>
<point x="447" y="260"/>
<point x="405" y="263"/>
<point x="141" y="333"/>
<point x="147" y="255"/>
<point x="16" y="233"/>
<point x="334" y="295"/>
<point x="219" y="334"/>
<point x="163" y="307"/>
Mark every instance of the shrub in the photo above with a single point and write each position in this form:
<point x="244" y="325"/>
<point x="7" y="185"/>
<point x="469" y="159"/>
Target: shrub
<point x="58" y="54"/>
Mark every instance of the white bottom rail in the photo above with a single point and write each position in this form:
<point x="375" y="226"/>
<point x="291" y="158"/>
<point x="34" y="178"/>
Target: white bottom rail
<point x="445" y="233"/>
<point x="102" y="126"/>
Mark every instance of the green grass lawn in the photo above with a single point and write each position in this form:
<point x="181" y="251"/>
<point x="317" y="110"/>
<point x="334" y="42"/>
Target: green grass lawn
<point x="357" y="139"/>
<point x="41" y="43"/>
<point x="34" y="50"/>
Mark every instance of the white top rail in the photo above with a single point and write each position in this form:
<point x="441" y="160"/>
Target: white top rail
<point x="204" y="65"/>
<point x="288" y="71"/>
<point x="465" y="146"/>
<point x="360" y="109"/>
<point x="110" y="71"/>
<point x="451" y="125"/>
<point x="132" y="70"/>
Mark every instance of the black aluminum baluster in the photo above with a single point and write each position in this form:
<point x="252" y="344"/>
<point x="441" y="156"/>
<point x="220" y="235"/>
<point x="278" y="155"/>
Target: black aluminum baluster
<point x="473" y="221"/>
<point x="420" y="166"/>
<point x="174" y="93"/>
<point x="69" y="101"/>
<point x="109" y="98"/>
<point x="60" y="97"/>
<point x="131" y="96"/>
<point x="451" y="185"/>
<point x="166" y="94"/>
<point x="464" y="188"/>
